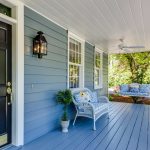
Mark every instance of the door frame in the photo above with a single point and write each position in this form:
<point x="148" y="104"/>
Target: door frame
<point x="17" y="22"/>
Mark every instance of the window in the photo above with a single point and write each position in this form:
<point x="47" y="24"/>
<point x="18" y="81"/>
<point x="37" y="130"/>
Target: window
<point x="76" y="73"/>
<point x="98" y="69"/>
<point x="5" y="10"/>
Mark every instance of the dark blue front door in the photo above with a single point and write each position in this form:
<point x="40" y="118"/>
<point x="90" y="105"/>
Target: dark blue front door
<point x="5" y="84"/>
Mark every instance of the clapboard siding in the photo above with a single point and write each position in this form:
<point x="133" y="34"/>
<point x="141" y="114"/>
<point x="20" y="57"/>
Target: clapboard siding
<point x="34" y="88"/>
<point x="51" y="49"/>
<point x="43" y="128"/>
<point x="43" y="21"/>
<point x="104" y="90"/>
<point x="40" y="96"/>
<point x="35" y="79"/>
<point x="40" y="113"/>
<point x="44" y="63"/>
<point x="50" y="40"/>
<point x="31" y="23"/>
<point x="89" y="70"/>
<point x="36" y="70"/>
<point x="89" y="66"/>
<point x="43" y="77"/>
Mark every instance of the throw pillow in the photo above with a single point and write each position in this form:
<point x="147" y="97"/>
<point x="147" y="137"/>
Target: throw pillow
<point x="144" y="88"/>
<point x="94" y="97"/>
<point x="136" y="85"/>
<point x="134" y="89"/>
<point x="124" y="88"/>
<point x="88" y="96"/>
<point x="82" y="96"/>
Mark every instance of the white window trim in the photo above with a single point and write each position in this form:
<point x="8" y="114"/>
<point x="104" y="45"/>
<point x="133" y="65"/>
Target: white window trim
<point x="17" y="22"/>
<point x="74" y="36"/>
<point x="101" y="69"/>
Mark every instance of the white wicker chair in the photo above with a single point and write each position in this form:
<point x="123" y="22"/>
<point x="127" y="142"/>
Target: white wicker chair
<point x="89" y="109"/>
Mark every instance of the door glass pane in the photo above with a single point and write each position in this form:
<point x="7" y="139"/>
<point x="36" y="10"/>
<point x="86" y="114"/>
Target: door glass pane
<point x="2" y="115"/>
<point x="2" y="67"/>
<point x="3" y="35"/>
<point x="5" y="10"/>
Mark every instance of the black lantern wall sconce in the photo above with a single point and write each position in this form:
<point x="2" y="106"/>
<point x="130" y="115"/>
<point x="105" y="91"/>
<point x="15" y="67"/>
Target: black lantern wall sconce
<point x="39" y="45"/>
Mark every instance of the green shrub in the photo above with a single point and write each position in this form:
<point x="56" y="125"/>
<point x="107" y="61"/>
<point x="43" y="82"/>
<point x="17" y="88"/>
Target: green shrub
<point x="64" y="97"/>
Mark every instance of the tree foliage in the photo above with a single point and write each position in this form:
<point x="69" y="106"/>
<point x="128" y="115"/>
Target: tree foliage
<point x="129" y="68"/>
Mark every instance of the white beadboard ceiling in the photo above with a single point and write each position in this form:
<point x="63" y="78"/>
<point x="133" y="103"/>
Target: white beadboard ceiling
<point x="101" y="22"/>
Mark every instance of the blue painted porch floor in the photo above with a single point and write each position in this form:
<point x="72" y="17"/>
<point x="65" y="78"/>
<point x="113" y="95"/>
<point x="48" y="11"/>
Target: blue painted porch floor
<point x="128" y="128"/>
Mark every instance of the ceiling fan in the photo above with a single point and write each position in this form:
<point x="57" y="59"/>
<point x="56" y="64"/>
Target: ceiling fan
<point x="122" y="46"/>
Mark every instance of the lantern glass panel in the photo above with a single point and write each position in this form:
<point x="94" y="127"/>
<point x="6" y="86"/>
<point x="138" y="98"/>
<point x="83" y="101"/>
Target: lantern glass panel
<point x="44" y="48"/>
<point x="36" y="47"/>
<point x="40" y="45"/>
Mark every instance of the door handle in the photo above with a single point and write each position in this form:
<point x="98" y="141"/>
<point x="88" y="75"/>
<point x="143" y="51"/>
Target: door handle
<point x="9" y="92"/>
<point x="9" y="103"/>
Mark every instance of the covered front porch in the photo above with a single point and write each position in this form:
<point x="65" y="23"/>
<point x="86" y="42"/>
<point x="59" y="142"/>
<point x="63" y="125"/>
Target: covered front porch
<point x="127" y="128"/>
<point x="79" y="35"/>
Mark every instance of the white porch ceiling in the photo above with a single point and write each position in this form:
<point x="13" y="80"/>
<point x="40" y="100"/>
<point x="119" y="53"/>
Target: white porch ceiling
<point x="101" y="22"/>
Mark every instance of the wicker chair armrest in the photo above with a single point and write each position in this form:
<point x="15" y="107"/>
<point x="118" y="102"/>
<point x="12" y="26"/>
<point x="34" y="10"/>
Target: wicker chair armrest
<point x="103" y="99"/>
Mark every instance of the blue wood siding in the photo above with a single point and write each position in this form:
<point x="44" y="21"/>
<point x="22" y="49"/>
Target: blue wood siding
<point x="89" y="66"/>
<point x="89" y="70"/>
<point x="43" y="77"/>
<point x="104" y="90"/>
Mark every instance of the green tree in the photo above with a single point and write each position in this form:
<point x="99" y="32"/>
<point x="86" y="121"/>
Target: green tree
<point x="129" y="68"/>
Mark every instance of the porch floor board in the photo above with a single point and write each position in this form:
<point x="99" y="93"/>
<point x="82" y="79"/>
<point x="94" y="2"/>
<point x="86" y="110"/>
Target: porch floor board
<point x="127" y="128"/>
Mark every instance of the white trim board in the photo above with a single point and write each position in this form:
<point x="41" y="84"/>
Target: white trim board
<point x="7" y="19"/>
<point x="75" y="36"/>
<point x="101" y="69"/>
<point x="17" y="22"/>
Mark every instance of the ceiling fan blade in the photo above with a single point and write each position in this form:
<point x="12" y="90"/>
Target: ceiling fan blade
<point x="126" y="50"/>
<point x="133" y="46"/>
